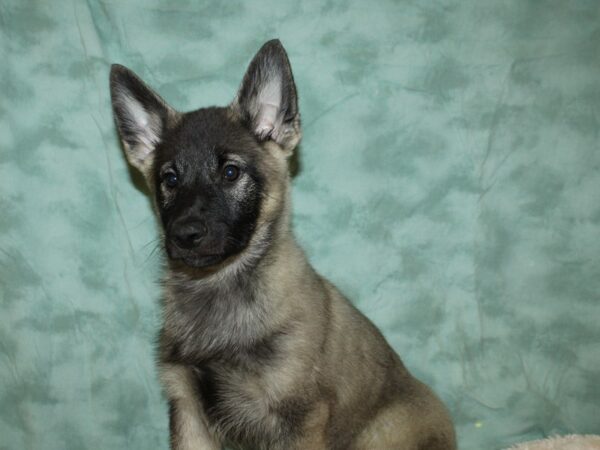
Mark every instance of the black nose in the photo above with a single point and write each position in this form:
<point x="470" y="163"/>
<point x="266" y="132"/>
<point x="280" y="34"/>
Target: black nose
<point x="189" y="235"/>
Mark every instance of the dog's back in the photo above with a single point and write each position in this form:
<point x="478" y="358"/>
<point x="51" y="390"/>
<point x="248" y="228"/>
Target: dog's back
<point x="390" y="408"/>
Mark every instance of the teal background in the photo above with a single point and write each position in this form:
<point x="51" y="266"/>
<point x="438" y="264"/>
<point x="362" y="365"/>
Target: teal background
<point x="449" y="184"/>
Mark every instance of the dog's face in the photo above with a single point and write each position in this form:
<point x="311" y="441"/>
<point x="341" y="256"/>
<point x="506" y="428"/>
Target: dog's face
<point x="213" y="172"/>
<point x="208" y="187"/>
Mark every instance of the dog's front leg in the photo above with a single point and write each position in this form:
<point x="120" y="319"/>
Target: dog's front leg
<point x="188" y="424"/>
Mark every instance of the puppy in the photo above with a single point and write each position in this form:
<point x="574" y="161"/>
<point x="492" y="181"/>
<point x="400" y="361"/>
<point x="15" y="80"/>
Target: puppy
<point x="257" y="350"/>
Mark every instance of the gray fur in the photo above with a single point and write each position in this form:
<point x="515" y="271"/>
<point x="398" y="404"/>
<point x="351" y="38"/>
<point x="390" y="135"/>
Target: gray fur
<point x="257" y="350"/>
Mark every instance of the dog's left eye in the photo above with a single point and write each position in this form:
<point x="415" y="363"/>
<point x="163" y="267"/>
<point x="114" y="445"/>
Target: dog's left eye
<point x="231" y="172"/>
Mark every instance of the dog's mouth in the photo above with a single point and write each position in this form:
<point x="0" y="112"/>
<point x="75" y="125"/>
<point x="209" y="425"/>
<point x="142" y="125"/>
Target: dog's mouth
<point x="194" y="258"/>
<point x="195" y="245"/>
<point x="208" y="254"/>
<point x="203" y="261"/>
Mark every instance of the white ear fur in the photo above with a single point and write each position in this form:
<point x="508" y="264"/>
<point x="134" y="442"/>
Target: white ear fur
<point x="141" y="116"/>
<point x="267" y="99"/>
<point x="146" y="127"/>
<point x="268" y="107"/>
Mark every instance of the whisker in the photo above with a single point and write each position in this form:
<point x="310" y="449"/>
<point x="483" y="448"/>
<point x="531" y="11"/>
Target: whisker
<point x="150" y="256"/>
<point x="151" y="241"/>
<point x="153" y="252"/>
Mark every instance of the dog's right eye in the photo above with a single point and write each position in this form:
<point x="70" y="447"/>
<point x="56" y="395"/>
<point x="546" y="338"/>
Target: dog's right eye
<point x="171" y="180"/>
<point x="231" y="172"/>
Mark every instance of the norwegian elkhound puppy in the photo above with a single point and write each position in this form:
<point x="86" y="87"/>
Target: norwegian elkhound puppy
<point x="258" y="351"/>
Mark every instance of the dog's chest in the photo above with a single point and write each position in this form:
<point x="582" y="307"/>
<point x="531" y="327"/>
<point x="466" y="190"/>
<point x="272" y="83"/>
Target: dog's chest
<point x="246" y="381"/>
<point x="206" y="323"/>
<point x="247" y="407"/>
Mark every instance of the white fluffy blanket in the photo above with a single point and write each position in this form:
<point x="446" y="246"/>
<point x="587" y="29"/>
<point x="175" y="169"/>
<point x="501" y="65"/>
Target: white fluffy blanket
<point x="572" y="442"/>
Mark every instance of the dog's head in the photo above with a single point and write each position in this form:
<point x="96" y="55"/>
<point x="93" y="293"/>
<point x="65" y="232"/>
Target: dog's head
<point x="218" y="175"/>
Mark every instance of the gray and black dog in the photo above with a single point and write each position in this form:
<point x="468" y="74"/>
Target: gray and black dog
<point x="257" y="350"/>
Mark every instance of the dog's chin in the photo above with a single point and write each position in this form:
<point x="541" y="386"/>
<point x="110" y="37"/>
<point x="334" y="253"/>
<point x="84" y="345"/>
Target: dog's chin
<point x="203" y="260"/>
<point x="199" y="261"/>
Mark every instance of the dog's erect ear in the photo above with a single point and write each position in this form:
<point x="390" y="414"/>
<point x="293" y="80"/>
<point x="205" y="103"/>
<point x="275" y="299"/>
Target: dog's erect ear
<point x="267" y="100"/>
<point x="140" y="114"/>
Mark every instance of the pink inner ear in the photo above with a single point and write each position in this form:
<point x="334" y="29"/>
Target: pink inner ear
<point x="269" y="105"/>
<point x="265" y="121"/>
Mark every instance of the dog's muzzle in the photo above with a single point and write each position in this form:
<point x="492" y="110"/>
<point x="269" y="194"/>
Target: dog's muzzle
<point x="189" y="235"/>
<point x="196" y="243"/>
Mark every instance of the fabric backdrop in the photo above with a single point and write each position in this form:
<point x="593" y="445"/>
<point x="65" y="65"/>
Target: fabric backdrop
<point x="449" y="184"/>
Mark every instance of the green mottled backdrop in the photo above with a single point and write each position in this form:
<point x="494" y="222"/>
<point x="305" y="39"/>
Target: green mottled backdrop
<point x="449" y="184"/>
